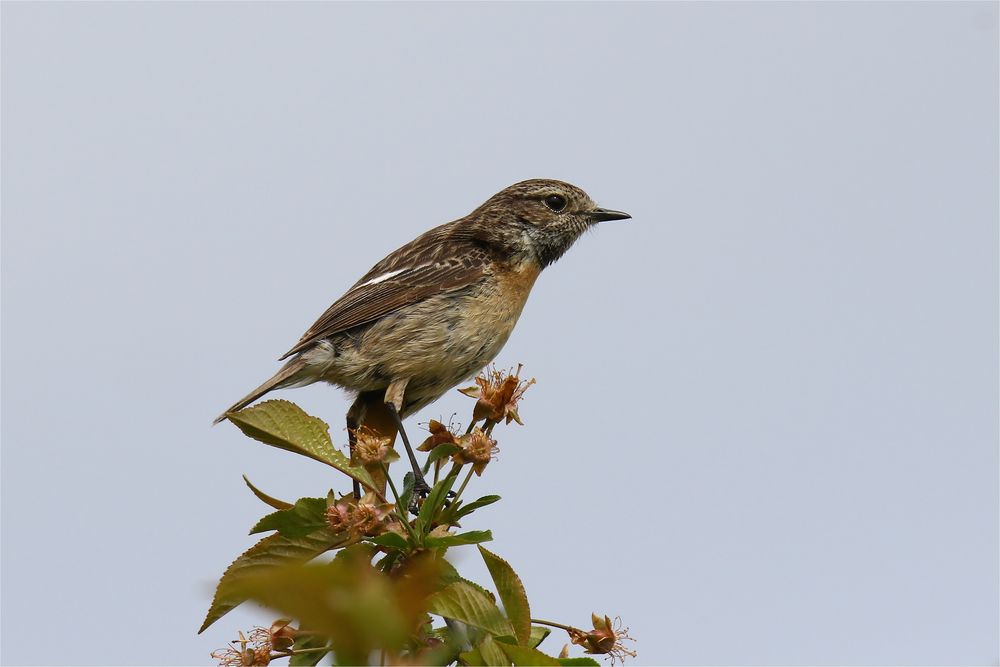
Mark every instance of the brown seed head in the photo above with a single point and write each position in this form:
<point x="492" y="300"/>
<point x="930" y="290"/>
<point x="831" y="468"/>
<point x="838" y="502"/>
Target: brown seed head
<point x="246" y="652"/>
<point x="358" y="517"/>
<point x="281" y="635"/>
<point x="476" y="448"/>
<point x="605" y="639"/>
<point x="372" y="449"/>
<point x="497" y="394"/>
<point x="440" y="435"/>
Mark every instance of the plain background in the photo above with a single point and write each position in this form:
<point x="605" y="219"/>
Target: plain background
<point x="765" y="424"/>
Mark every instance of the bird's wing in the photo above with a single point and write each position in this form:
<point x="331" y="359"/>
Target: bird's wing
<point x="408" y="275"/>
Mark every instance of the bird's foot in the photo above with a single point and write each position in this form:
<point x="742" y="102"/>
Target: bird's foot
<point x="420" y="491"/>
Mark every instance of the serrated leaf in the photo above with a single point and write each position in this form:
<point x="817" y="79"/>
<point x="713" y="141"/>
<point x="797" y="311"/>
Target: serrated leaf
<point x="450" y="575"/>
<point x="434" y="501"/>
<point x="284" y="425"/>
<point x="492" y="655"/>
<point x="512" y="594"/>
<point x="306" y="516"/>
<point x="583" y="662"/>
<point x="463" y="602"/>
<point x="471" y="537"/>
<point x="391" y="540"/>
<point x="525" y="656"/>
<point x="266" y="499"/>
<point x="538" y="635"/>
<point x="272" y="551"/>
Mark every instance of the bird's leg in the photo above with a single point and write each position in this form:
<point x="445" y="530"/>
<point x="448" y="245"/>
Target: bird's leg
<point x="354" y="417"/>
<point x="394" y="402"/>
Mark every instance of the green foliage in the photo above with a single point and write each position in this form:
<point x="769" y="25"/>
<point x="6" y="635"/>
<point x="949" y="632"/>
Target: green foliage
<point x="538" y="635"/>
<point x="284" y="425"/>
<point x="266" y="499"/>
<point x="526" y="656"/>
<point x="269" y="553"/>
<point x="512" y="594"/>
<point x="383" y="596"/>
<point x="460" y="601"/>
<point x="433" y="504"/>
<point x="307" y="644"/>
<point x="307" y="516"/>
<point x="471" y="537"/>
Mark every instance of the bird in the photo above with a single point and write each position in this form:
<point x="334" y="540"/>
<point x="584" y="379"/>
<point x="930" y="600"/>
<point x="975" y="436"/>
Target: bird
<point x="435" y="311"/>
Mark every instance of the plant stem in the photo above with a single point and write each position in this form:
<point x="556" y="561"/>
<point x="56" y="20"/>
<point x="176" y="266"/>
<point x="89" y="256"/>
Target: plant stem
<point x="567" y="628"/>
<point x="399" y="512"/>
<point x="465" y="483"/>
<point x="297" y="651"/>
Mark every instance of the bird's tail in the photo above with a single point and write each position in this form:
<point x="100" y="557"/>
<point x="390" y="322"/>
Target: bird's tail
<point x="288" y="376"/>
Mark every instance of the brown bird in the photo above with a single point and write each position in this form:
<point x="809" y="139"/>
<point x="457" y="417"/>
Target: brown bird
<point x="437" y="310"/>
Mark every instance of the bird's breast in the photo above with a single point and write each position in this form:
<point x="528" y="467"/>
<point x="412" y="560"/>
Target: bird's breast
<point x="441" y="340"/>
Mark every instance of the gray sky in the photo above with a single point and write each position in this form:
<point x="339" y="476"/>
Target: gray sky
<point x="765" y="425"/>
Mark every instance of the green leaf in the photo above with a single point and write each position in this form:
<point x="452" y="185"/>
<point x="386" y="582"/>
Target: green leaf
<point x="512" y="594"/>
<point x="492" y="655"/>
<point x="434" y="501"/>
<point x="306" y="642"/>
<point x="463" y="602"/>
<point x="538" y="635"/>
<point x="391" y="540"/>
<point x="347" y="601"/>
<point x="472" y="658"/>
<point x="284" y="425"/>
<point x="441" y="451"/>
<point x="471" y="537"/>
<point x="527" y="657"/>
<point x="570" y="662"/>
<point x="474" y="505"/>
<point x="450" y="575"/>
<point x="272" y="551"/>
<point x="307" y="516"/>
<point x="266" y="499"/>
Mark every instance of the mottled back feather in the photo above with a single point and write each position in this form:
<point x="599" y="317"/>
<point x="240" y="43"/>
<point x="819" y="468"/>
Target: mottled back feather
<point x="444" y="259"/>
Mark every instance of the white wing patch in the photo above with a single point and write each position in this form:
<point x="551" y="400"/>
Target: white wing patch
<point x="382" y="278"/>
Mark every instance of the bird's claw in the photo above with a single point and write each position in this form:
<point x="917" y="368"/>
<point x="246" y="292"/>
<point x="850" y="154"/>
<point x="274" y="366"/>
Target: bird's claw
<point x="420" y="491"/>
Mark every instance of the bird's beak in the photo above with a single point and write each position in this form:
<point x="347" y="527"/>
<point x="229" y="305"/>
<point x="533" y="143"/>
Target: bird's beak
<point x="604" y="214"/>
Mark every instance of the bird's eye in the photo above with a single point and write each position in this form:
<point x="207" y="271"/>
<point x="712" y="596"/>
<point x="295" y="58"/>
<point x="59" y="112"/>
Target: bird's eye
<point x="555" y="202"/>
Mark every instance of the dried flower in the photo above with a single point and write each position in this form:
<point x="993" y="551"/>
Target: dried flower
<point x="372" y="449"/>
<point x="440" y="435"/>
<point x="497" y="394"/>
<point x="244" y="652"/>
<point x="358" y="517"/>
<point x="476" y="448"/>
<point x="280" y="636"/>
<point x="605" y="639"/>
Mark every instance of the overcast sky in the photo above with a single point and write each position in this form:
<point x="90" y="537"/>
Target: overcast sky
<point x="765" y="424"/>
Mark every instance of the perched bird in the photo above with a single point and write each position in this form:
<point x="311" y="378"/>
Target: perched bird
<point x="437" y="310"/>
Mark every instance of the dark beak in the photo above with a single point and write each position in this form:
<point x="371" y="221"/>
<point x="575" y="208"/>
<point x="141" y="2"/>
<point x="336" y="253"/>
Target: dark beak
<point x="604" y="215"/>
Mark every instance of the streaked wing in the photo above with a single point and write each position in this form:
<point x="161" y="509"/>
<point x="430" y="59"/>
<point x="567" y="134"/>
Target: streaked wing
<point x="392" y="285"/>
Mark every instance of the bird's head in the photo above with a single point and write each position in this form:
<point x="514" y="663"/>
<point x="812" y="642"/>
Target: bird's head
<point x="539" y="217"/>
